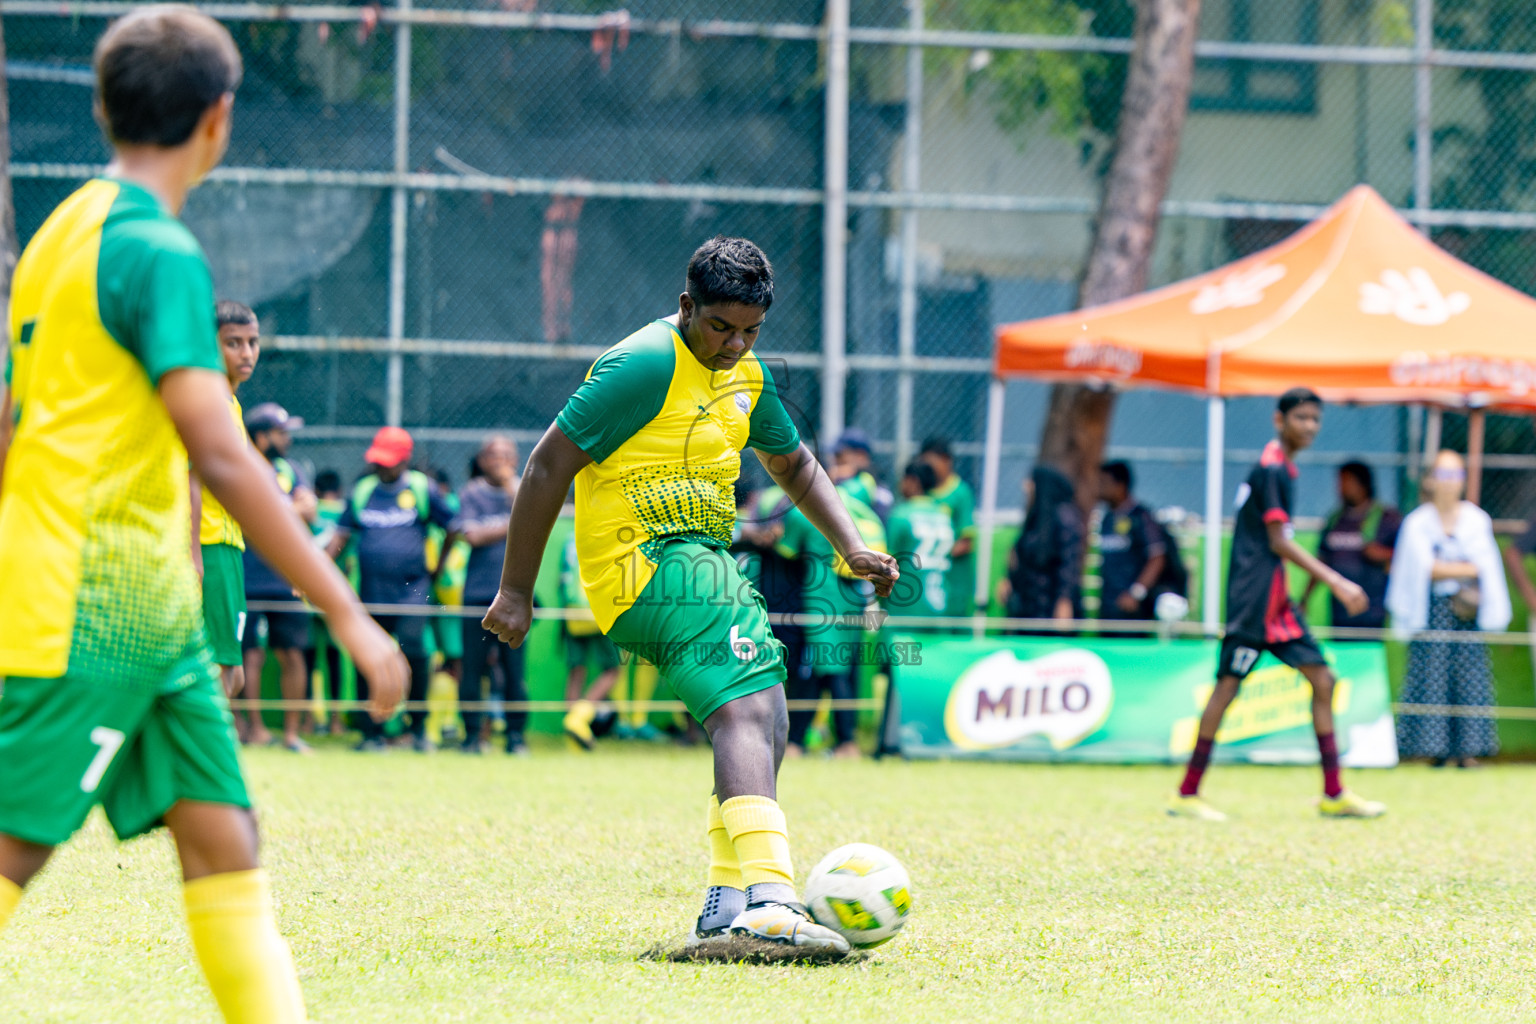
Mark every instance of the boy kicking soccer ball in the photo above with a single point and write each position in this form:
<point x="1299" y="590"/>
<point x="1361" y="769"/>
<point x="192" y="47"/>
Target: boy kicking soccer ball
<point x="1261" y="616"/>
<point x="653" y="441"/>
<point x="114" y="379"/>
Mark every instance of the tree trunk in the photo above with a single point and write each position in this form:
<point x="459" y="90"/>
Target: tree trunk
<point x="1146" y="147"/>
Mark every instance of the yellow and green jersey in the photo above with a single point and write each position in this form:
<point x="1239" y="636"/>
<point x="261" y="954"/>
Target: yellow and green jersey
<point x="956" y="496"/>
<point x="866" y="488"/>
<point x="111" y="294"/>
<point x="665" y="434"/>
<point x="217" y="525"/>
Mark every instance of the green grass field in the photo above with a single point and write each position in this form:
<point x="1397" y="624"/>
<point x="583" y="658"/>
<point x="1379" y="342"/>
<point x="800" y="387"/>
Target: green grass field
<point x="459" y="889"/>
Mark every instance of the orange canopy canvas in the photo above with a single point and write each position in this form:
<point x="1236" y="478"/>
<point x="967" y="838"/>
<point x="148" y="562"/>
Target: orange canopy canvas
<point x="1357" y="305"/>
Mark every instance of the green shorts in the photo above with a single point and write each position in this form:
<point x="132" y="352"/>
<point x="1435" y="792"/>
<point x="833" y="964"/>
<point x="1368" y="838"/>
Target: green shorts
<point x="224" y="601"/>
<point x="591" y="649"/>
<point x="704" y="628"/>
<point x="448" y="636"/>
<point x="68" y="744"/>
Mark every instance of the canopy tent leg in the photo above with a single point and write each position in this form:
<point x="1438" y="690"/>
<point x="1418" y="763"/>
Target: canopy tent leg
<point x="1477" y="422"/>
<point x="1215" y="458"/>
<point x="992" y="458"/>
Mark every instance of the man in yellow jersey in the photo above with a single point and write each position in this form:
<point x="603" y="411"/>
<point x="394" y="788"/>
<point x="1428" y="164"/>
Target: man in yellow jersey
<point x="653" y="441"/>
<point x="218" y="551"/>
<point x="114" y="379"/>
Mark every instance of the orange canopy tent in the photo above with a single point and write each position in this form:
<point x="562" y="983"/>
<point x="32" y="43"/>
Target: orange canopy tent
<point x="1357" y="305"/>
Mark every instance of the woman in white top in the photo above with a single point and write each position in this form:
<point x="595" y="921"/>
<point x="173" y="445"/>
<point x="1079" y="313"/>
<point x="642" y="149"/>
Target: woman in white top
<point x="1447" y="576"/>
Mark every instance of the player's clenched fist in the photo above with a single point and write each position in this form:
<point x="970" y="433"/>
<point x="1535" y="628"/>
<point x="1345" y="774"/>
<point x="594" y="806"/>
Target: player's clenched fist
<point x="509" y="617"/>
<point x="377" y="656"/>
<point x="1350" y="594"/>
<point x="880" y="569"/>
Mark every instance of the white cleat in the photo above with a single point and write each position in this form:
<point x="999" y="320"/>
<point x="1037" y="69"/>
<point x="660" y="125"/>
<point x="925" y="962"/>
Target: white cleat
<point x="789" y="924"/>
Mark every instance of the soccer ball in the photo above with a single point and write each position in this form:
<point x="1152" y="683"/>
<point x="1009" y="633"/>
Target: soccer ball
<point x="860" y="892"/>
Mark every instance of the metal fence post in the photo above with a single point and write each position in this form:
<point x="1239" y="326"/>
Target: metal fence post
<point x="991" y="469"/>
<point x="834" y="227"/>
<point x="394" y="386"/>
<point x="1423" y="128"/>
<point x="1215" y="500"/>
<point x="911" y="172"/>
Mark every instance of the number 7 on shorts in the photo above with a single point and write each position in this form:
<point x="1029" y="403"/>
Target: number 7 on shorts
<point x="108" y="743"/>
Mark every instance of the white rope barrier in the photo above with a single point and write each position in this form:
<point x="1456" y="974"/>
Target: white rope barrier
<point x="977" y="625"/>
<point x="536" y="706"/>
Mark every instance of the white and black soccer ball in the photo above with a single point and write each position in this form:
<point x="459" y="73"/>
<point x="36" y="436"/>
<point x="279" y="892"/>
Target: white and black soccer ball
<point x="861" y="892"/>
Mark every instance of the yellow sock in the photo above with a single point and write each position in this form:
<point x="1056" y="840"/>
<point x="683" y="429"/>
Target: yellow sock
<point x="724" y="868"/>
<point x="10" y="895"/>
<point x="246" y="961"/>
<point x="757" y="830"/>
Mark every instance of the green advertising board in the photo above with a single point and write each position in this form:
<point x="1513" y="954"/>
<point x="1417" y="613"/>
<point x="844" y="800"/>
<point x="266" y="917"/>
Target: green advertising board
<point x="1127" y="701"/>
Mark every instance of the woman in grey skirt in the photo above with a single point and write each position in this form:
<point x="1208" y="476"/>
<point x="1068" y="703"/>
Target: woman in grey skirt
<point x="1447" y="576"/>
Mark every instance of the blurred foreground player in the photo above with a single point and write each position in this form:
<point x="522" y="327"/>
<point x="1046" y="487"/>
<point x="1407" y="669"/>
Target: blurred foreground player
<point x="1261" y="616"/>
<point x="653" y="441"/>
<point x="111" y="696"/>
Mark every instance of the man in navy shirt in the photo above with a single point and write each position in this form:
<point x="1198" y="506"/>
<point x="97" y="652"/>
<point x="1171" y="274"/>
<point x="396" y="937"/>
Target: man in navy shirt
<point x="388" y="515"/>
<point x="1133" y="547"/>
<point x="1261" y="616"/>
<point x="286" y="633"/>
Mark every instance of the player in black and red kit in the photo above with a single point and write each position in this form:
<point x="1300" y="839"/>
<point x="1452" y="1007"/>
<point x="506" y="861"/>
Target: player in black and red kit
<point x="1261" y="616"/>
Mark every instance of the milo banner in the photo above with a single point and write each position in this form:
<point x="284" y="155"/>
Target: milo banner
<point x="1127" y="701"/>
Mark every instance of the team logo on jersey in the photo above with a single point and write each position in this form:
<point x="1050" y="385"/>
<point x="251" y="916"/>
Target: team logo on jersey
<point x="744" y="647"/>
<point x="743" y="403"/>
<point x="406" y="499"/>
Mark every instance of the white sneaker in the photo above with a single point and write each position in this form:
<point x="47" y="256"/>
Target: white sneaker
<point x="787" y="923"/>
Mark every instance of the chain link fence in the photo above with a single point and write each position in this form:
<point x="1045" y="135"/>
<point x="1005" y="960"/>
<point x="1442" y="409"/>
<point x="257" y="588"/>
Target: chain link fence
<point x="444" y="211"/>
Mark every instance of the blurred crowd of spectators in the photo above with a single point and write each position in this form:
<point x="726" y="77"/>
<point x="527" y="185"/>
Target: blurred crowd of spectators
<point x="407" y="540"/>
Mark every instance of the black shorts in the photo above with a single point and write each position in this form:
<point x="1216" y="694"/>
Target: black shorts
<point x="276" y="631"/>
<point x="1239" y="655"/>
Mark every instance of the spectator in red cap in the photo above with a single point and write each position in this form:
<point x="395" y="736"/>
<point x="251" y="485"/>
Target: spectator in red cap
<point x="388" y="514"/>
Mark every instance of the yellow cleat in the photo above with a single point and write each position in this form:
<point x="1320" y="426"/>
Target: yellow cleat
<point x="1348" y="805"/>
<point x="1181" y="806"/>
<point x="578" y="724"/>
